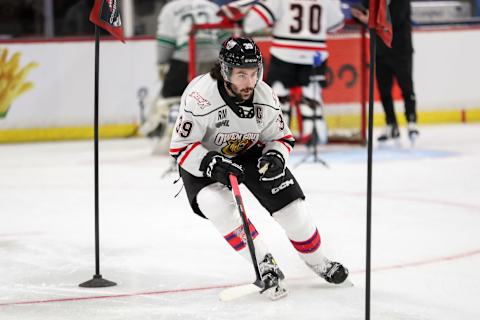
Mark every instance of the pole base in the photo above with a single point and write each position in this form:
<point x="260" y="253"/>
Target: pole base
<point x="97" y="282"/>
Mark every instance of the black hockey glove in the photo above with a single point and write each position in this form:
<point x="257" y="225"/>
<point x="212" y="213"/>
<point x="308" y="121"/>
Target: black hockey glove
<point x="275" y="170"/>
<point x="218" y="168"/>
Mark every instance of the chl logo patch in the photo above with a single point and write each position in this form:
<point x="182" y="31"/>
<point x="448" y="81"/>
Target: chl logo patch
<point x="223" y="123"/>
<point x="201" y="101"/>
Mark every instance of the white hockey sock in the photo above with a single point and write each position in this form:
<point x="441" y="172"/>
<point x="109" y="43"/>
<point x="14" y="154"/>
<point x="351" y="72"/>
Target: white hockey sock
<point x="301" y="231"/>
<point x="216" y="203"/>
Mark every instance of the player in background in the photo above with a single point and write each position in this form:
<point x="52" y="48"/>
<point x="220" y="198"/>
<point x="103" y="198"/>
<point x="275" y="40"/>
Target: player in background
<point x="231" y="121"/>
<point x="174" y="24"/>
<point x="395" y="62"/>
<point x="299" y="31"/>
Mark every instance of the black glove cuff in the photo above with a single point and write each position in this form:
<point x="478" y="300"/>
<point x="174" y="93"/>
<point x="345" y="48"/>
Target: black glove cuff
<point x="217" y="167"/>
<point x="206" y="164"/>
<point x="275" y="153"/>
<point x="276" y="165"/>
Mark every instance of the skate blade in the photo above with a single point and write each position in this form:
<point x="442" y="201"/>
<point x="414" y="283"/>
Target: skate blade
<point x="345" y="284"/>
<point x="276" y="293"/>
<point x="395" y="143"/>
<point x="413" y="140"/>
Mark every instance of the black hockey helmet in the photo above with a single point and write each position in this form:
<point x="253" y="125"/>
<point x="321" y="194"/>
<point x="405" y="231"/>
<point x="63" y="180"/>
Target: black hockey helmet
<point x="239" y="53"/>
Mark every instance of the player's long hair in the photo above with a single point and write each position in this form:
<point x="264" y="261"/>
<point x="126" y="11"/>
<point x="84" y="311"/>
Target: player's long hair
<point x="215" y="72"/>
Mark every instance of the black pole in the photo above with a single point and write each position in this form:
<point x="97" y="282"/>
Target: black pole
<point x="315" y="132"/>
<point x="97" y="280"/>
<point x="373" y="40"/>
<point x="95" y="139"/>
<point x="317" y="62"/>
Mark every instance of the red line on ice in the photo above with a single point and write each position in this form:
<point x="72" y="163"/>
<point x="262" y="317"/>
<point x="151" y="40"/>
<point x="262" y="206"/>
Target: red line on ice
<point x="160" y="292"/>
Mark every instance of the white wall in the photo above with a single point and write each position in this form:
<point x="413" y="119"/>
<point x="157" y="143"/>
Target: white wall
<point x="64" y="83"/>
<point x="446" y="74"/>
<point x="447" y="68"/>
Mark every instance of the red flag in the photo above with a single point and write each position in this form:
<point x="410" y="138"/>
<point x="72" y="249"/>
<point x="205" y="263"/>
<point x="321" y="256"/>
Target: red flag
<point x="379" y="19"/>
<point x="106" y="15"/>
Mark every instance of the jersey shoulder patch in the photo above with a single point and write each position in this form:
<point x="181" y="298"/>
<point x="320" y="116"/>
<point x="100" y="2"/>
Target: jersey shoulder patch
<point x="201" y="96"/>
<point x="265" y="95"/>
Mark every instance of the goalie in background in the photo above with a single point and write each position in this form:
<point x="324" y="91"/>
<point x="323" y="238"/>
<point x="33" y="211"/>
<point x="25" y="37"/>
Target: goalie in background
<point x="174" y="25"/>
<point x="299" y="50"/>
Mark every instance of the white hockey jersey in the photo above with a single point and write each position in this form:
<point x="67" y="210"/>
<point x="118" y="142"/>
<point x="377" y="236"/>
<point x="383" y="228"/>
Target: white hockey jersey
<point x="174" y="25"/>
<point x="206" y="122"/>
<point x="299" y="27"/>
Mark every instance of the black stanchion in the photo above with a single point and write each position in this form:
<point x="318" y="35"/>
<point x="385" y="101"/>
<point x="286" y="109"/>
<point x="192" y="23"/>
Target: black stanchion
<point x="373" y="38"/>
<point x="97" y="281"/>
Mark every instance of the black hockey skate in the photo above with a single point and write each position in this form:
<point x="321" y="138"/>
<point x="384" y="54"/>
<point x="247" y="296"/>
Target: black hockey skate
<point x="272" y="277"/>
<point x="391" y="132"/>
<point x="332" y="272"/>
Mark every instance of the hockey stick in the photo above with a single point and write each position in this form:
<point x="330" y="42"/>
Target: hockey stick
<point x="241" y="209"/>
<point x="258" y="285"/>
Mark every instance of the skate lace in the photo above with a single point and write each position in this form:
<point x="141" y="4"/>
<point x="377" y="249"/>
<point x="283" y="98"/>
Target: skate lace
<point x="320" y="269"/>
<point x="268" y="266"/>
<point x="332" y="270"/>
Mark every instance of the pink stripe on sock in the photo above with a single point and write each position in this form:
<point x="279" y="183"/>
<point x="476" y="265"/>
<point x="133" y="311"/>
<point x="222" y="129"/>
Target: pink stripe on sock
<point x="237" y="238"/>
<point x="308" y="246"/>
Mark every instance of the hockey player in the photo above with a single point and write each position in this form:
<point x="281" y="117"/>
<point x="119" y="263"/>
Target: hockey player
<point x="231" y="121"/>
<point x="174" y="24"/>
<point x="299" y="50"/>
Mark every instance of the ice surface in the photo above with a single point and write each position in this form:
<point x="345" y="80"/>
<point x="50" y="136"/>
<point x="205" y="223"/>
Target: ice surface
<point x="170" y="264"/>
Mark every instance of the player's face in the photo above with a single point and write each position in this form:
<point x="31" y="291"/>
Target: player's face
<point x="243" y="81"/>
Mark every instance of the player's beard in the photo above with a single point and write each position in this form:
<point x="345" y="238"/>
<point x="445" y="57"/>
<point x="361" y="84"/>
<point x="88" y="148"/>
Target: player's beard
<point x="241" y="94"/>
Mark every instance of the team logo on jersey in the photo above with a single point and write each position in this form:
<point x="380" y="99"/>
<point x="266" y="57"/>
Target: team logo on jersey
<point x="235" y="147"/>
<point x="235" y="142"/>
<point x="221" y="138"/>
<point x="201" y="101"/>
